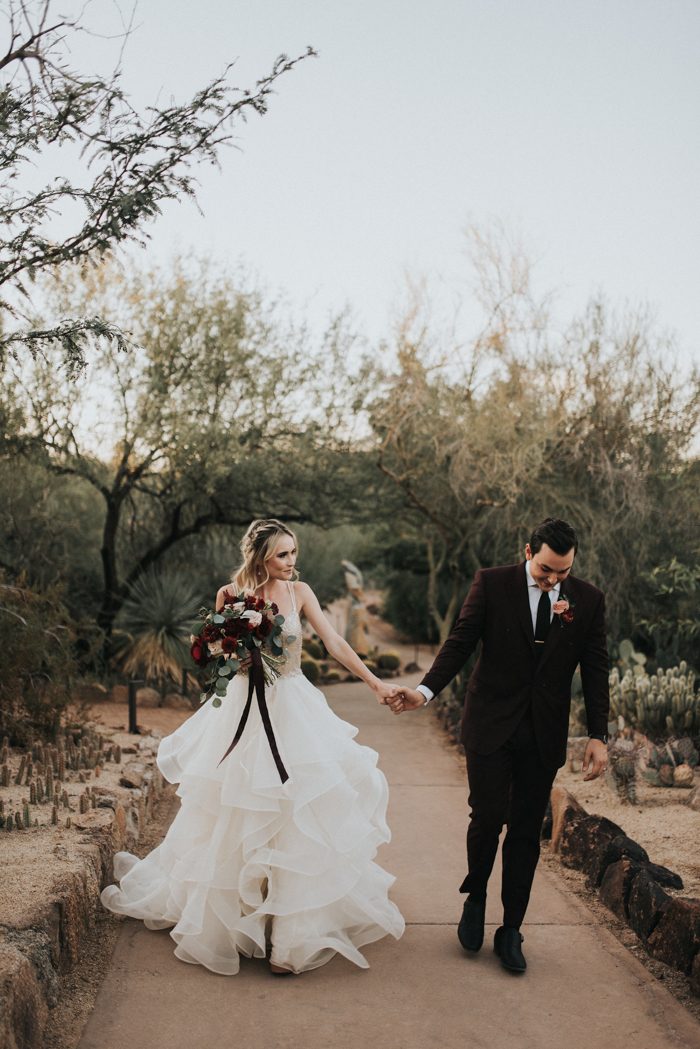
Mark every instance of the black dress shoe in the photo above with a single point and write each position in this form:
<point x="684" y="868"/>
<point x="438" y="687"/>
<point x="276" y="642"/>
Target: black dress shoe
<point x="471" y="925"/>
<point x="506" y="944"/>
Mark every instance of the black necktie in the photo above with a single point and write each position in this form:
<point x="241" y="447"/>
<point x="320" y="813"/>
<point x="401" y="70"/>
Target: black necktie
<point x="543" y="617"/>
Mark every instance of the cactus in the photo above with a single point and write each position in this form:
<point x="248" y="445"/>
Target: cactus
<point x="65" y="800"/>
<point x="389" y="660"/>
<point x="683" y="776"/>
<point x="61" y="768"/>
<point x="67" y="821"/>
<point x="25" y="815"/>
<point x="18" y="821"/>
<point x="32" y="793"/>
<point x="39" y="790"/>
<point x="118" y="754"/>
<point x="660" y="704"/>
<point x="84" y="803"/>
<point x="54" y="816"/>
<point x="22" y="767"/>
<point x="5" y="776"/>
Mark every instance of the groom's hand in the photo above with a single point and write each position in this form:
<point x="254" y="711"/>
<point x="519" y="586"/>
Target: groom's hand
<point x="595" y="759"/>
<point x="407" y="699"/>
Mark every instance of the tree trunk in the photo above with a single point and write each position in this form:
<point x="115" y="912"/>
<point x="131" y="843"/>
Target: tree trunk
<point x="112" y="598"/>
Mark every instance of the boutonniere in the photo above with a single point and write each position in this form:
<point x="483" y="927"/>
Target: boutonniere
<point x="564" y="609"/>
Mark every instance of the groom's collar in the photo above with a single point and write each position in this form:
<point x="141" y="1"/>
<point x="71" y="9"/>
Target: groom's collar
<point x="531" y="582"/>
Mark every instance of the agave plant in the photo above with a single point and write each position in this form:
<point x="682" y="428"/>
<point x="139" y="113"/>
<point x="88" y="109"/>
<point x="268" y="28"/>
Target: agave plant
<point x="155" y="623"/>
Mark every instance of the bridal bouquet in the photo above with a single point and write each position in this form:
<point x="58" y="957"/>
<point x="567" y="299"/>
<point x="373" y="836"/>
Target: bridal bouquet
<point x="227" y="640"/>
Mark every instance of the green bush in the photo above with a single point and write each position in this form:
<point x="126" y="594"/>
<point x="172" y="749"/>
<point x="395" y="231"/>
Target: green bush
<point x="331" y="676"/>
<point x="311" y="670"/>
<point x="38" y="667"/>
<point x="389" y="660"/>
<point x="312" y="648"/>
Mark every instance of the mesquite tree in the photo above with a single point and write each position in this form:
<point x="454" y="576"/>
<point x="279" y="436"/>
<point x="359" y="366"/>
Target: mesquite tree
<point x="131" y="164"/>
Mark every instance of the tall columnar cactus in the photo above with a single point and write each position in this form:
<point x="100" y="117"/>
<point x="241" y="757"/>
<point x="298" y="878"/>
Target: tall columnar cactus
<point x="32" y="793"/>
<point x="5" y="776"/>
<point x="661" y="704"/>
<point x="25" y="815"/>
<point x="22" y="767"/>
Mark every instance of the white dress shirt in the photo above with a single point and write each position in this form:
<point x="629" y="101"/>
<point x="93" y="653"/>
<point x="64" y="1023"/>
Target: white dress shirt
<point x="533" y="593"/>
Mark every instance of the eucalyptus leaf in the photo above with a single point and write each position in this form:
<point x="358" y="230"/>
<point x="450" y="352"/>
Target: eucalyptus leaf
<point x="216" y="702"/>
<point x="290" y="638"/>
<point x="218" y="619"/>
<point x="279" y="620"/>
<point x="225" y="670"/>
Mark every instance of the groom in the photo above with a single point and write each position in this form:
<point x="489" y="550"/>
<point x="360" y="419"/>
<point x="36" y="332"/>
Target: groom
<point x="536" y="623"/>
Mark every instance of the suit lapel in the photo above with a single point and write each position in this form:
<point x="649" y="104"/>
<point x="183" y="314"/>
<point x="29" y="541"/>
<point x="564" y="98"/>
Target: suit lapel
<point x="523" y="605"/>
<point x="556" y="628"/>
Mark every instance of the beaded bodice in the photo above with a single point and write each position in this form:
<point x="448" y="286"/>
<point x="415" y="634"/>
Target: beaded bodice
<point x="292" y="649"/>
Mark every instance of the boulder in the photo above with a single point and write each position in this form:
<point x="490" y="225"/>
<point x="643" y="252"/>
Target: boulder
<point x="693" y="799"/>
<point x="147" y="697"/>
<point x="119" y="694"/>
<point x="646" y="904"/>
<point x="23" y="1002"/>
<point x="695" y="975"/>
<point x="604" y="843"/>
<point x="662" y="875"/>
<point x="132" y="774"/>
<point x="676" y="938"/>
<point x="566" y="813"/>
<point x="177" y="701"/>
<point x="585" y="844"/>
<point x="616" y="885"/>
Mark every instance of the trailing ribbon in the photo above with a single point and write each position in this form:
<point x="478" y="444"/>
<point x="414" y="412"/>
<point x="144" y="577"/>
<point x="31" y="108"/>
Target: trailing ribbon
<point x="256" y="680"/>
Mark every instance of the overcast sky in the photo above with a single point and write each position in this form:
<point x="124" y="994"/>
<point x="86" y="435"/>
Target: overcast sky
<point x="576" y="122"/>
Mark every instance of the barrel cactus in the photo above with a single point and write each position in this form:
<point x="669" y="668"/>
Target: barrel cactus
<point x="683" y="776"/>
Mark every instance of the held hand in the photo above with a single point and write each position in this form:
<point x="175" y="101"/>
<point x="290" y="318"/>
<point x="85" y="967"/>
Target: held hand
<point x="407" y="699"/>
<point x="385" y="692"/>
<point x="595" y="759"/>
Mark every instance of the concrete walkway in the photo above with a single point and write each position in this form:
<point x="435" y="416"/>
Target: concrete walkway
<point x="582" y="990"/>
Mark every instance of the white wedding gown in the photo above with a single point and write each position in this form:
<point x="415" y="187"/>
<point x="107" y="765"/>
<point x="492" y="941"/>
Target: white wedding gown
<point x="249" y="860"/>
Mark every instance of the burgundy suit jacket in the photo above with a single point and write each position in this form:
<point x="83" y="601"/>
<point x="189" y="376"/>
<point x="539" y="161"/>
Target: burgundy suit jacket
<point x="508" y="676"/>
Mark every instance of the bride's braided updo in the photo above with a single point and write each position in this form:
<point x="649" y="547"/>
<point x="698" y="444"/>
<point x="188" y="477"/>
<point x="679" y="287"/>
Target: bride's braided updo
<point x="257" y="546"/>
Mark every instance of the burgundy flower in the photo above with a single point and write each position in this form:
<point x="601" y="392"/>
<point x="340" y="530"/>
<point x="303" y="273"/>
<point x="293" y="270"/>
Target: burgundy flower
<point x="232" y="627"/>
<point x="229" y="644"/>
<point x="199" y="652"/>
<point x="264" y="627"/>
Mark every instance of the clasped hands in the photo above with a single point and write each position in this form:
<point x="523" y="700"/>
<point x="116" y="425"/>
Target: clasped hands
<point x="399" y="697"/>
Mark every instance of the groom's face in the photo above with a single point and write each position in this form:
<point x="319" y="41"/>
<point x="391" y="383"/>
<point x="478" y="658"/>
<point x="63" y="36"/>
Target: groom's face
<point x="547" y="567"/>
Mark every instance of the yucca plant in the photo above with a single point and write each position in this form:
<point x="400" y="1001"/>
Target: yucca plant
<point x="154" y="626"/>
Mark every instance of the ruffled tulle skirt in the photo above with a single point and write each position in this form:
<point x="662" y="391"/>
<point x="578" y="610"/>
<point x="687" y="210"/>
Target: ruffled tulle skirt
<point x="249" y="861"/>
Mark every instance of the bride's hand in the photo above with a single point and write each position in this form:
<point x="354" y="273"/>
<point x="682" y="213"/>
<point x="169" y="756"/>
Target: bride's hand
<point x="385" y="692"/>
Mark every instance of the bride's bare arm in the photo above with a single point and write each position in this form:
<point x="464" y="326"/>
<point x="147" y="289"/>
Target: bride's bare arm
<point x="337" y="646"/>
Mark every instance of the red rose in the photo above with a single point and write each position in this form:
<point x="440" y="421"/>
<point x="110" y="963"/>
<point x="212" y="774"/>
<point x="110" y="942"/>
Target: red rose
<point x="199" y="653"/>
<point x="232" y="627"/>
<point x="568" y="615"/>
<point x="229" y="644"/>
<point x="274" y="609"/>
<point x="260" y="604"/>
<point x="211" y="632"/>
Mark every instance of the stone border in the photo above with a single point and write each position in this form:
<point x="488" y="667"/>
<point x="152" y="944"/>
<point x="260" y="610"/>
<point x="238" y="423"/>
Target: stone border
<point x="42" y="941"/>
<point x="628" y="883"/>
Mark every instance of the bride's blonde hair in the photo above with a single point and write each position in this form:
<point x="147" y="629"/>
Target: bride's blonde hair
<point x="257" y="546"/>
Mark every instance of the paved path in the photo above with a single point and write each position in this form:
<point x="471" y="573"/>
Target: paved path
<point x="582" y="990"/>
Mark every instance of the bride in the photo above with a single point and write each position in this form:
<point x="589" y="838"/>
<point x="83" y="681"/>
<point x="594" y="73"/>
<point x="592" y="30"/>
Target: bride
<point x="251" y="865"/>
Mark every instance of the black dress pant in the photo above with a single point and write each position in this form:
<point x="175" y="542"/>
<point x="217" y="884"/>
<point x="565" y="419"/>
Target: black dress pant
<point x="510" y="786"/>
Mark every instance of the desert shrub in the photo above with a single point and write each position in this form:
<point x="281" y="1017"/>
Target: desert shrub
<point x="388" y="660"/>
<point x="38" y="667"/>
<point x="332" y="676"/>
<point x="311" y="670"/>
<point x="312" y="648"/>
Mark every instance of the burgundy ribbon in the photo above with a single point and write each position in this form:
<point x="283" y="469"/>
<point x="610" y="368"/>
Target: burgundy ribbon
<point x="256" y="680"/>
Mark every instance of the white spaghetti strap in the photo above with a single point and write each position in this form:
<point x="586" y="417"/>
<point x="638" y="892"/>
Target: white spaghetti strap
<point x="292" y="595"/>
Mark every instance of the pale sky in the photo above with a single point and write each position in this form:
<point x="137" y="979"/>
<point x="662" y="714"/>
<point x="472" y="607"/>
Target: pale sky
<point x="575" y="122"/>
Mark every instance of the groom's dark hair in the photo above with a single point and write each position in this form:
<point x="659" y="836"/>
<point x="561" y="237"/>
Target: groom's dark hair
<point x="557" y="534"/>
